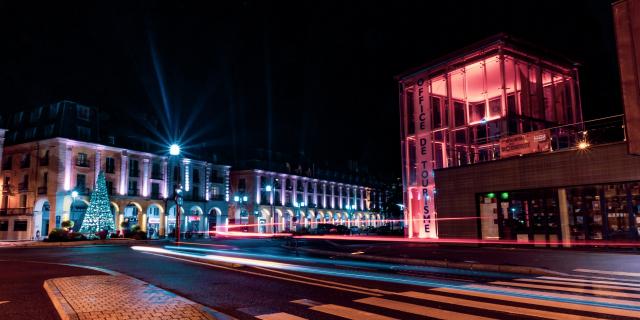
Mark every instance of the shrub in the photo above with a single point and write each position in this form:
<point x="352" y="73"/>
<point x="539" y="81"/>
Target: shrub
<point x="102" y="234"/>
<point x="135" y="229"/>
<point x="139" y="235"/>
<point x="58" y="235"/>
<point x="67" y="224"/>
<point x="75" y="236"/>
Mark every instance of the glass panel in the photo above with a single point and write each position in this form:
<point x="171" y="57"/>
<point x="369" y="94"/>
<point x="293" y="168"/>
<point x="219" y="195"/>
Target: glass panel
<point x="411" y="124"/>
<point x="585" y="213"/>
<point x="435" y="112"/>
<point x="635" y="201"/>
<point x="494" y="79"/>
<point x="475" y="82"/>
<point x="476" y="112"/>
<point x="495" y="107"/>
<point x="547" y="91"/>
<point x="457" y="85"/>
<point x="458" y="107"/>
<point x="617" y="211"/>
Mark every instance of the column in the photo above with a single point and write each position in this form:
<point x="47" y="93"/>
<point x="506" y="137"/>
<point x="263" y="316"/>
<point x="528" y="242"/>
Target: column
<point x="145" y="177"/>
<point x="207" y="188"/>
<point x="165" y="185"/>
<point x="315" y="194"/>
<point x="124" y="159"/>
<point x="324" y="195"/>
<point x="333" y="196"/>
<point x="162" y="228"/>
<point x="282" y="189"/>
<point x="305" y="193"/>
<point x="348" y="190"/>
<point x="97" y="165"/>
<point x="258" y="189"/>
<point x="340" y="204"/>
<point x="68" y="154"/>
<point x="294" y="194"/>
<point x="564" y="217"/>
<point x="361" y="199"/>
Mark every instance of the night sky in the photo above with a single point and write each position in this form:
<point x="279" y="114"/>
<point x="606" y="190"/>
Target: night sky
<point x="301" y="77"/>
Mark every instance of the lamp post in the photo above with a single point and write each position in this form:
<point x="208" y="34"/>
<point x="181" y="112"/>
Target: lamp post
<point x="240" y="201"/>
<point x="269" y="188"/>
<point x="298" y="206"/>
<point x="174" y="151"/>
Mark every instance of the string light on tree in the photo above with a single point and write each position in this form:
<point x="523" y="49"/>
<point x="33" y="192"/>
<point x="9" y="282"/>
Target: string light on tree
<point x="98" y="216"/>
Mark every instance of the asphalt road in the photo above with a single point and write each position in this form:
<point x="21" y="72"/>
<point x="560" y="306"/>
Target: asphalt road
<point x="274" y="283"/>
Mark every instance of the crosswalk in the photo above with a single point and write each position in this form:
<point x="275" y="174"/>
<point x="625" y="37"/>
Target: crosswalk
<point x="578" y="296"/>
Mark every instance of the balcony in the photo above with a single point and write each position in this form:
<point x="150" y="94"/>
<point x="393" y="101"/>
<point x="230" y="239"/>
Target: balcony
<point x="16" y="211"/>
<point x="156" y="195"/>
<point x="42" y="190"/>
<point x="23" y="186"/>
<point x="217" y="197"/>
<point x="82" y="163"/>
<point x="132" y="192"/>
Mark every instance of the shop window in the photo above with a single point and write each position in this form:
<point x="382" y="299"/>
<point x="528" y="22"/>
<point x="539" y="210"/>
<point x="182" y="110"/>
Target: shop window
<point x="495" y="108"/>
<point x="4" y="225"/>
<point x="617" y="211"/>
<point x="476" y="112"/>
<point x="585" y="213"/>
<point x="635" y="203"/>
<point x="436" y="112"/>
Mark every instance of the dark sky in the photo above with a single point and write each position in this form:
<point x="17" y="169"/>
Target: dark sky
<point x="300" y="76"/>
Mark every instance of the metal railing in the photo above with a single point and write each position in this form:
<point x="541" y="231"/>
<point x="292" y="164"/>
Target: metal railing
<point x="16" y="211"/>
<point x="42" y="190"/>
<point x="82" y="163"/>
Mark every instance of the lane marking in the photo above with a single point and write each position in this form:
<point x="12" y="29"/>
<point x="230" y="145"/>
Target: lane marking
<point x="266" y="275"/>
<point x="604" y="278"/>
<point x="590" y="285"/>
<point x="376" y="292"/>
<point x="591" y="281"/>
<point x="279" y="316"/>
<point x="494" y="307"/>
<point x="544" y="303"/>
<point x="306" y="302"/>
<point x="614" y="302"/>
<point x="576" y="290"/>
<point x="349" y="313"/>
<point x="419" y="310"/>
<point x="1" y="302"/>
<point x="616" y="273"/>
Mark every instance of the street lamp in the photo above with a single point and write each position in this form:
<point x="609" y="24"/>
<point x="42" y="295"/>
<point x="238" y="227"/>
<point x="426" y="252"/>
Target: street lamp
<point x="177" y="197"/>
<point x="174" y="150"/>
<point x="270" y="189"/>
<point x="240" y="201"/>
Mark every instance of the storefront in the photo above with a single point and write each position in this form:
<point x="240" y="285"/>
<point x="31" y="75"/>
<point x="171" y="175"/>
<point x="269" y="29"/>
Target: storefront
<point x="591" y="212"/>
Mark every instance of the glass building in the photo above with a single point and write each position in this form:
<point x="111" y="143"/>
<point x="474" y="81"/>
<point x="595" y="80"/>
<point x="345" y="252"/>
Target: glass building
<point x="496" y="99"/>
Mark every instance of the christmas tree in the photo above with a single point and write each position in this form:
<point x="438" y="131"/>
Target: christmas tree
<point x="98" y="216"/>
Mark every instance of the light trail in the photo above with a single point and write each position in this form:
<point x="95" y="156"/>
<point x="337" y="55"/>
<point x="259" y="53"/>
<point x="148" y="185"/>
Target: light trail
<point x="371" y="276"/>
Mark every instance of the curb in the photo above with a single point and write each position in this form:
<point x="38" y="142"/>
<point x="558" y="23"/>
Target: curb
<point x="67" y="312"/>
<point x="42" y="244"/>
<point x="440" y="263"/>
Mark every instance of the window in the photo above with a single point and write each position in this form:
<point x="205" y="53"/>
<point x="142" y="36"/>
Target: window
<point x="109" y="184"/>
<point x="20" y="225"/>
<point x="84" y="133"/>
<point x="156" y="171"/>
<point x="17" y="118"/>
<point x="476" y="112"/>
<point x="83" y="112"/>
<point x="242" y="185"/>
<point x="436" y="114"/>
<point x="48" y="130"/>
<point x="25" y="162"/>
<point x="35" y="115"/>
<point x="81" y="182"/>
<point x="82" y="160"/>
<point x="155" y="190"/>
<point x="176" y="173"/>
<point x="458" y="112"/>
<point x="196" y="193"/>
<point x="4" y="225"/>
<point x="7" y="164"/>
<point x="30" y="133"/>
<point x="23" y="201"/>
<point x="134" y="171"/>
<point x="196" y="176"/>
<point x="110" y="165"/>
<point x="45" y="178"/>
<point x="495" y="108"/>
<point x="410" y="113"/>
<point x="53" y="110"/>
<point x="133" y="187"/>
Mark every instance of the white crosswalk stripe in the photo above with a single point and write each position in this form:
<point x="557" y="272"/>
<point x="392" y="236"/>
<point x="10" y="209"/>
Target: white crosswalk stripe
<point x="628" y="284"/>
<point x="419" y="310"/>
<point x="576" y="284"/>
<point x="608" y="272"/>
<point x="605" y="293"/>
<point x="279" y="316"/>
<point x="349" y="313"/>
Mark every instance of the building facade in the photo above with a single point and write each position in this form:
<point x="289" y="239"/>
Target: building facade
<point x="39" y="179"/>
<point x="269" y="202"/>
<point x="495" y="148"/>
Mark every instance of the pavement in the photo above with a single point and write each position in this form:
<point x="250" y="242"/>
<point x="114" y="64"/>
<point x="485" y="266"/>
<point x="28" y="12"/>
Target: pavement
<point x="277" y="283"/>
<point x="107" y="297"/>
<point x="39" y="243"/>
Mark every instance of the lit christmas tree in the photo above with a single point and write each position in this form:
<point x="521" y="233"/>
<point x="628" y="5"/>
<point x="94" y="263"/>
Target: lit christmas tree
<point x="98" y="216"/>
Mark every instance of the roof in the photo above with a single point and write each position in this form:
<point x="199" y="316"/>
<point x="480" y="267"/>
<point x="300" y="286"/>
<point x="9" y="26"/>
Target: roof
<point x="500" y="39"/>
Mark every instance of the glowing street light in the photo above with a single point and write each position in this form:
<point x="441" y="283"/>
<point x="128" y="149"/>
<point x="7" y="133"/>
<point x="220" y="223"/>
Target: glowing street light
<point x="583" y="145"/>
<point x="174" y="150"/>
<point x="74" y="195"/>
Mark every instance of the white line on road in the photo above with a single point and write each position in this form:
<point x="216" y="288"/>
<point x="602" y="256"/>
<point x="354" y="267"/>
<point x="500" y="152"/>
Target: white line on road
<point x="1" y="302"/>
<point x="628" y="284"/>
<point x="604" y="293"/>
<point x="615" y="273"/>
<point x="349" y="313"/>
<point x="279" y="316"/>
<point x="417" y="309"/>
<point x="580" y="284"/>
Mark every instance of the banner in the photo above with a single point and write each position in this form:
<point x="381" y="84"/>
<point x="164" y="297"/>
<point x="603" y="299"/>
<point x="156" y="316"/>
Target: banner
<point x="530" y="142"/>
<point x="422" y="205"/>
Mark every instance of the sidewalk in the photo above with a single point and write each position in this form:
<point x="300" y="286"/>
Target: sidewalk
<point x="105" y="297"/>
<point x="505" y="260"/>
<point x="40" y="244"/>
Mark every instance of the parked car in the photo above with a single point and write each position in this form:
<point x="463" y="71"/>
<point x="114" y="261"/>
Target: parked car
<point x="354" y="230"/>
<point x="326" y="228"/>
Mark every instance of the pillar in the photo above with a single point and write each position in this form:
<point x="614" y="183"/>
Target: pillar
<point x="162" y="227"/>
<point x="123" y="173"/>
<point x="315" y="194"/>
<point x="333" y="196"/>
<point x="340" y="197"/>
<point x="564" y="217"/>
<point x="145" y="177"/>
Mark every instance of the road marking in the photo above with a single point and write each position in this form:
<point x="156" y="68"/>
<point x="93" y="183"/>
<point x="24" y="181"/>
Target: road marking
<point x="349" y="313"/>
<point x="553" y="295"/>
<point x="266" y="275"/>
<point x="615" y="273"/>
<point x="279" y="316"/>
<point x="576" y="290"/>
<point x="1" y="302"/>
<point x="307" y="302"/>
<point x="590" y="285"/>
<point x="493" y="306"/>
<point x="592" y="281"/>
<point x="375" y="292"/>
<point x="419" y="310"/>
<point x="542" y="302"/>
<point x="604" y="278"/>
